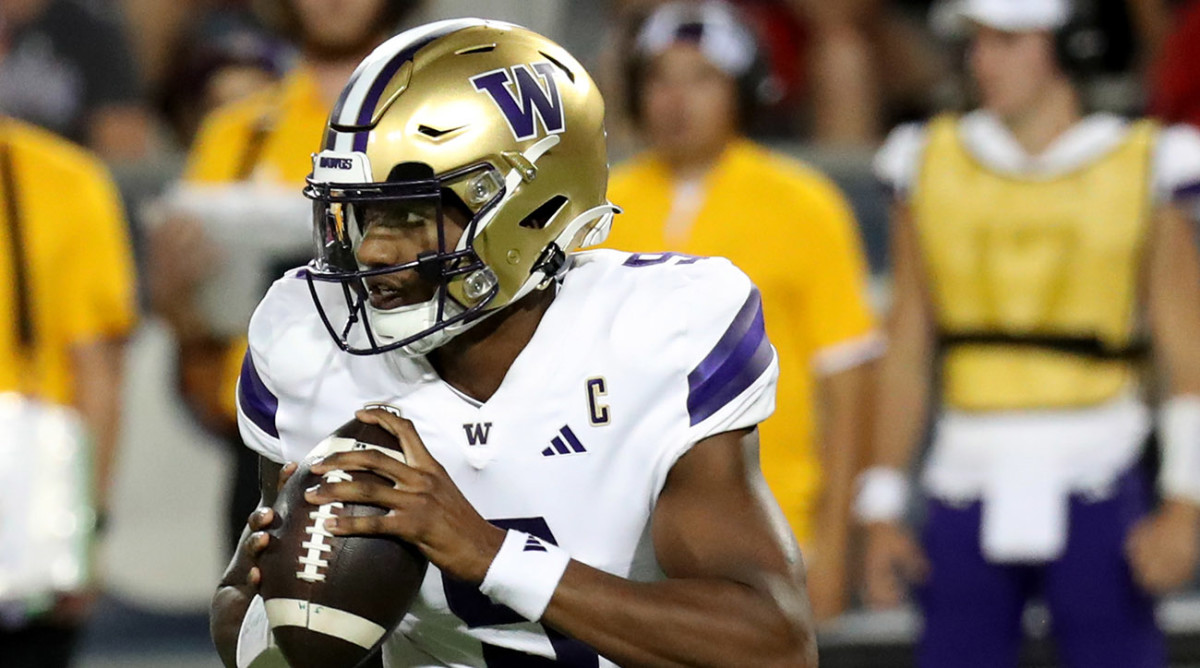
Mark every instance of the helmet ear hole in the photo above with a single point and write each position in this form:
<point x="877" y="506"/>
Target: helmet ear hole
<point x="541" y="216"/>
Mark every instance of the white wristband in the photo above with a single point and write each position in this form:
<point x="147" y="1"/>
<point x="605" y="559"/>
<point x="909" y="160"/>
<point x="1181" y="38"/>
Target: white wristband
<point x="1179" y="430"/>
<point x="882" y="495"/>
<point x="525" y="574"/>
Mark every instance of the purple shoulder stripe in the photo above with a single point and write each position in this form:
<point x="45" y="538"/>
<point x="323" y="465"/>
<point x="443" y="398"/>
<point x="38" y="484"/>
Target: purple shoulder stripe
<point x="741" y="355"/>
<point x="256" y="401"/>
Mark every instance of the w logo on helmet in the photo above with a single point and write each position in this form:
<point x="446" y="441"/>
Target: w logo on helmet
<point x="532" y="100"/>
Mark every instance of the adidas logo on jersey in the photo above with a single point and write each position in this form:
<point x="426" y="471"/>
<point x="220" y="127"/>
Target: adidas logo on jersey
<point x="566" y="443"/>
<point x="532" y="544"/>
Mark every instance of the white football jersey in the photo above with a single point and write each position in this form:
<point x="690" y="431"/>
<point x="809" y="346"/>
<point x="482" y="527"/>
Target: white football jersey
<point x="638" y="358"/>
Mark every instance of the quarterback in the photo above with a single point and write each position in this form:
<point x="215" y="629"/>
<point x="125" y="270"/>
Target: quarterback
<point x="579" y="427"/>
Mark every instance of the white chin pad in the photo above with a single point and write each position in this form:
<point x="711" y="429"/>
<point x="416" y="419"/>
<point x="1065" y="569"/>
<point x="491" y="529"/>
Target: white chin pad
<point x="405" y="321"/>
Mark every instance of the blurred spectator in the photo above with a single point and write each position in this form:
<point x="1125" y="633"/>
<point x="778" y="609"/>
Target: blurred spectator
<point x="849" y="65"/>
<point x="66" y="65"/>
<point x="703" y="189"/>
<point x="241" y="204"/>
<point x="156" y="28"/>
<point x="224" y="57"/>
<point x="1030" y="276"/>
<point x="867" y="61"/>
<point x="68" y="298"/>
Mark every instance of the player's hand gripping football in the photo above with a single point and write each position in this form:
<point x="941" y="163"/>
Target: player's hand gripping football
<point x="424" y="505"/>
<point x="893" y="561"/>
<point x="260" y="521"/>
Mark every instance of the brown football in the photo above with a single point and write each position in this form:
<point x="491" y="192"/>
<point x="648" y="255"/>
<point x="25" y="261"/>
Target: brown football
<point x="333" y="600"/>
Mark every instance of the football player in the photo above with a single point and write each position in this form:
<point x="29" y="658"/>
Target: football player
<point x="579" y="427"/>
<point x="1040" y="253"/>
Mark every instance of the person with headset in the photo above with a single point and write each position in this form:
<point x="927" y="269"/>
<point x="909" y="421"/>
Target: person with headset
<point x="1041" y="258"/>
<point x="702" y="188"/>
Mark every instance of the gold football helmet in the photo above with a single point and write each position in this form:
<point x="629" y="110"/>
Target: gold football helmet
<point x="484" y="119"/>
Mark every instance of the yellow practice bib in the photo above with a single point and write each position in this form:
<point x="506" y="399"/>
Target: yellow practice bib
<point x="1034" y="281"/>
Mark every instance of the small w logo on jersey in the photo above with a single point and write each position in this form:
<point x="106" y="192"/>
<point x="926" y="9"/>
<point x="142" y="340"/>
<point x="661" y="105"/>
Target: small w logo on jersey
<point x="566" y="443"/>
<point x="531" y="101"/>
<point x="477" y="432"/>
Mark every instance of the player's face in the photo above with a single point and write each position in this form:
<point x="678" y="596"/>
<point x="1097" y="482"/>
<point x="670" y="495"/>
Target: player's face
<point x="1012" y="69"/>
<point x="396" y="233"/>
<point x="689" y="106"/>
<point x="339" y="28"/>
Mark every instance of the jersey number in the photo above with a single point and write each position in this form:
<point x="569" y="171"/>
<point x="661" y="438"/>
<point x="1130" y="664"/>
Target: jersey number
<point x="476" y="609"/>
<point x="651" y="259"/>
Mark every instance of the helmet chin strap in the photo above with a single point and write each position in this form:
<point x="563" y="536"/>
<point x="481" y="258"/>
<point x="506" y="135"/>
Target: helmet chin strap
<point x="409" y="320"/>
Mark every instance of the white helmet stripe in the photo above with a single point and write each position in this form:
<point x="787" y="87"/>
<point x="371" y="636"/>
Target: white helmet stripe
<point x="366" y="85"/>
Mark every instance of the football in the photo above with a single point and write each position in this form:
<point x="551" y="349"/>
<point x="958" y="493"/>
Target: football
<point x="330" y="600"/>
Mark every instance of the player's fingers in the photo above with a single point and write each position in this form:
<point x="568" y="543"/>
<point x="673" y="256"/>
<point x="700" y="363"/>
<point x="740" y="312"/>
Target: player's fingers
<point x="374" y="461"/>
<point x="257" y="542"/>
<point x="285" y="473"/>
<point x="383" y="417"/>
<point x="410" y="442"/>
<point x="254" y="577"/>
<point x="261" y="518"/>
<point x="367" y="492"/>
<point x="367" y="525"/>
